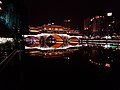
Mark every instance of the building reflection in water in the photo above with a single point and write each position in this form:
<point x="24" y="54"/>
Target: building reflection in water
<point x="99" y="53"/>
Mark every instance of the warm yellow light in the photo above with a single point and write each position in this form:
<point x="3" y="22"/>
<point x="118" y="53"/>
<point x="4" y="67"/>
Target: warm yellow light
<point x="33" y="30"/>
<point x="50" y="29"/>
<point x="60" y="29"/>
<point x="97" y="17"/>
<point x="56" y="28"/>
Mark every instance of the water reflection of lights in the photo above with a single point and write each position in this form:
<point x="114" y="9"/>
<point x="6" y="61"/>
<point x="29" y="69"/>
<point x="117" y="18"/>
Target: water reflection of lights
<point x="51" y="53"/>
<point x="66" y="57"/>
<point x="63" y="48"/>
<point x="69" y="46"/>
<point x="64" y="41"/>
<point x="102" y="61"/>
<point x="101" y="56"/>
<point x="100" y="64"/>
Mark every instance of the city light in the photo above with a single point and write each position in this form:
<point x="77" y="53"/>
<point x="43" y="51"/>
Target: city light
<point x="107" y="65"/>
<point x="4" y="40"/>
<point x="68" y="20"/>
<point x="0" y="8"/>
<point x="0" y="2"/>
<point x="109" y="14"/>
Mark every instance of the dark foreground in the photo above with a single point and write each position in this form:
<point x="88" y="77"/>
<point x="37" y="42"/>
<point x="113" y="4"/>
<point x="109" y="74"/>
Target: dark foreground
<point x="76" y="73"/>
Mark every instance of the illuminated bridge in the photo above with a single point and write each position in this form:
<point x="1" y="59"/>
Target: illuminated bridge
<point x="50" y="41"/>
<point x="62" y="41"/>
<point x="46" y="35"/>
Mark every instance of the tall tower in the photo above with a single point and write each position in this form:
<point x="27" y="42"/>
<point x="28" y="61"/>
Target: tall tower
<point x="98" y="24"/>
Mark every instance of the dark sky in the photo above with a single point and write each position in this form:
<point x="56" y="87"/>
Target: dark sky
<point x="40" y="12"/>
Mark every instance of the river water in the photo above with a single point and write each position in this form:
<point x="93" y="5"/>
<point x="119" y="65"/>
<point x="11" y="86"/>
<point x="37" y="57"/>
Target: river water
<point x="78" y="65"/>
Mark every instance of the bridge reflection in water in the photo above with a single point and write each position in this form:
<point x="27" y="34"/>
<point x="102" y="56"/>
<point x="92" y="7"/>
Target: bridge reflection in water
<point x="93" y="63"/>
<point x="63" y="41"/>
<point x="59" y="60"/>
<point x="97" y="52"/>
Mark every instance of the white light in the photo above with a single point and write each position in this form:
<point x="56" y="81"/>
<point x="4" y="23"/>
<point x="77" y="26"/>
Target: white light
<point x="68" y="57"/>
<point x="91" y="20"/>
<point x="68" y="20"/>
<point x="49" y="23"/>
<point x="0" y="2"/>
<point x="4" y="40"/>
<point x="113" y="22"/>
<point x="109" y="14"/>
<point x="0" y="8"/>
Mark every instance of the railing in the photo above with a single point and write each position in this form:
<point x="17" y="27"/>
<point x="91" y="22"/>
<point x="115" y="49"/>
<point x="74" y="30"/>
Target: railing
<point x="6" y="61"/>
<point x="7" y="45"/>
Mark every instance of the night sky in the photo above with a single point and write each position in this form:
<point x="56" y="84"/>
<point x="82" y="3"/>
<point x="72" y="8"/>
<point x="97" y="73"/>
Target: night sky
<point x="40" y="12"/>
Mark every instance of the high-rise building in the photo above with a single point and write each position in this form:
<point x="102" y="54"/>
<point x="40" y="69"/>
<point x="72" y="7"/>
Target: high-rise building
<point x="95" y="24"/>
<point x="99" y="25"/>
<point x="67" y="24"/>
<point x="87" y="24"/>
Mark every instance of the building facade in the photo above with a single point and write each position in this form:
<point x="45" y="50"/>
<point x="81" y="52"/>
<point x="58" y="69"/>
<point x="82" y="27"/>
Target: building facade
<point x="51" y="28"/>
<point x="101" y="25"/>
<point x="47" y="28"/>
<point x="67" y="24"/>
